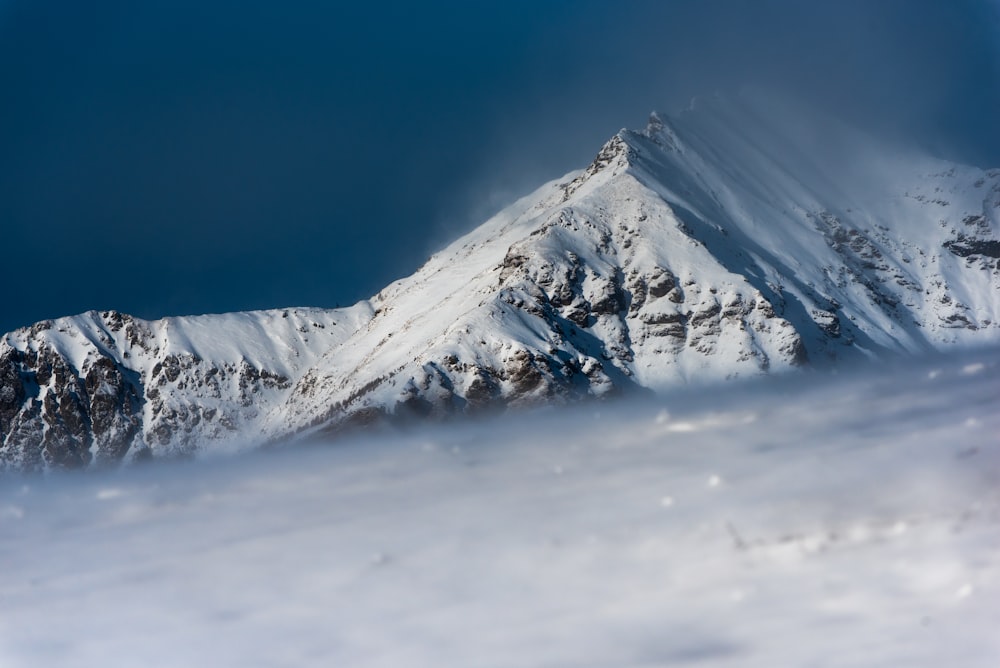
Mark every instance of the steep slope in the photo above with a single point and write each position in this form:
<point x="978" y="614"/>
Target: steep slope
<point x="731" y="240"/>
<point x="739" y="237"/>
<point x="98" y="387"/>
<point x="900" y="249"/>
<point x="587" y="287"/>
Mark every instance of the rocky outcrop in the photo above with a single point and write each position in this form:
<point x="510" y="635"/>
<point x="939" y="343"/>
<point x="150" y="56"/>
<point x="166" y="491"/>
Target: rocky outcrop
<point x="104" y="387"/>
<point x="55" y="415"/>
<point x="682" y="254"/>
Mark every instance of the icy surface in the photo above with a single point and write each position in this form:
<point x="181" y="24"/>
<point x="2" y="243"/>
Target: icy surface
<point x="825" y="520"/>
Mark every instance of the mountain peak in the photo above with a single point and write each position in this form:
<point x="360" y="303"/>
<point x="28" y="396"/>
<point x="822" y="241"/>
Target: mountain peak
<point x="724" y="242"/>
<point x="615" y="156"/>
<point x="661" y="132"/>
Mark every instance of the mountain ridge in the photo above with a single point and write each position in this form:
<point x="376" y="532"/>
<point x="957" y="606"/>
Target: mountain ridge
<point x="740" y="237"/>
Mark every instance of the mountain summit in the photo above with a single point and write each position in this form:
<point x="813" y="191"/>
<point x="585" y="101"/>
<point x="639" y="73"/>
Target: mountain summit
<point x="739" y="237"/>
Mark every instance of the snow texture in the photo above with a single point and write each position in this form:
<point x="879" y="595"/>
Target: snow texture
<point x="740" y="237"/>
<point x="846" y="520"/>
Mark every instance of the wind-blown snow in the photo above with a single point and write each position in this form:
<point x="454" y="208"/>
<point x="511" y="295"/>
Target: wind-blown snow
<point x="826" y="520"/>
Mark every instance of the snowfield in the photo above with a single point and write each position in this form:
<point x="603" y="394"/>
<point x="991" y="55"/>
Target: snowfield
<point x="821" y="520"/>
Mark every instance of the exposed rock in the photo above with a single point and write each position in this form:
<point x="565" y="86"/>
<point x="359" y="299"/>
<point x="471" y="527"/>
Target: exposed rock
<point x="828" y="322"/>
<point x="965" y="246"/>
<point x="658" y="264"/>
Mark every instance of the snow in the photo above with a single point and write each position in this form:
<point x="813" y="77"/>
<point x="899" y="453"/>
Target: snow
<point x="281" y="343"/>
<point x="743" y="200"/>
<point x="763" y="169"/>
<point x="848" y="519"/>
<point x="786" y="237"/>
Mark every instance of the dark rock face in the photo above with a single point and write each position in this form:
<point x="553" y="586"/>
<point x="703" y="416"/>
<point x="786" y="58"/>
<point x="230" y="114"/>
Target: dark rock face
<point x="102" y="410"/>
<point x="115" y="409"/>
<point x="523" y="372"/>
<point x="968" y="246"/>
<point x="828" y="322"/>
<point x="55" y="416"/>
<point x="12" y="390"/>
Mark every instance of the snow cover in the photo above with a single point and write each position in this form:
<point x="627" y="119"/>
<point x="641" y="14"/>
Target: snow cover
<point x="845" y="519"/>
<point x="741" y="237"/>
<point x="773" y="233"/>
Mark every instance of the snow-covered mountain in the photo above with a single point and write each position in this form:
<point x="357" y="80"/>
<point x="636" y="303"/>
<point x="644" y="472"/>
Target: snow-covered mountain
<point x="741" y="236"/>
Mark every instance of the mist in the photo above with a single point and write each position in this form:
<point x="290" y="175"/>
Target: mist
<point x="180" y="158"/>
<point x="846" y="520"/>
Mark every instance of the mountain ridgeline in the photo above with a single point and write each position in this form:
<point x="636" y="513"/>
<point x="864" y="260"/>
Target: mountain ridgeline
<point x="740" y="237"/>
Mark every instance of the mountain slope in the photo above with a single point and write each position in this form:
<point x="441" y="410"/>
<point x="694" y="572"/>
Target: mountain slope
<point x="739" y="237"/>
<point x="727" y="242"/>
<point x="96" y="387"/>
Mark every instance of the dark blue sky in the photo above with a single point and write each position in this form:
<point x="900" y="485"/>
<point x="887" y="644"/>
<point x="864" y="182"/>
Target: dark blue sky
<point x="174" y="157"/>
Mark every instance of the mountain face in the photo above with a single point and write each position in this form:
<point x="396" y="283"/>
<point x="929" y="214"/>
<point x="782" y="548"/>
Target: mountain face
<point x="739" y="237"/>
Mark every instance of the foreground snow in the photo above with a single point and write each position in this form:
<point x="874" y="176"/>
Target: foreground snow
<point x="849" y="520"/>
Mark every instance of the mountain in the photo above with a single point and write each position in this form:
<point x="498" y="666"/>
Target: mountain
<point x="742" y="236"/>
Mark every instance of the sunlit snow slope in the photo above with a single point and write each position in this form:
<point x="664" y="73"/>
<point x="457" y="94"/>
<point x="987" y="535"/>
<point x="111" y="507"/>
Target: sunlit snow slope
<point x="742" y="236"/>
<point x="848" y="520"/>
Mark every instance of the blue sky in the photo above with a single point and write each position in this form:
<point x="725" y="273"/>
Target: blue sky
<point x="175" y="157"/>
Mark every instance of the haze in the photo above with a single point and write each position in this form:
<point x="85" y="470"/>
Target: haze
<point x="825" y="520"/>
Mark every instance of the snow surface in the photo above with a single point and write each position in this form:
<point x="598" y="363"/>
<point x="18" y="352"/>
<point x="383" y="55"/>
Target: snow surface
<point x="782" y="218"/>
<point x="744" y="237"/>
<point x="847" y="519"/>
